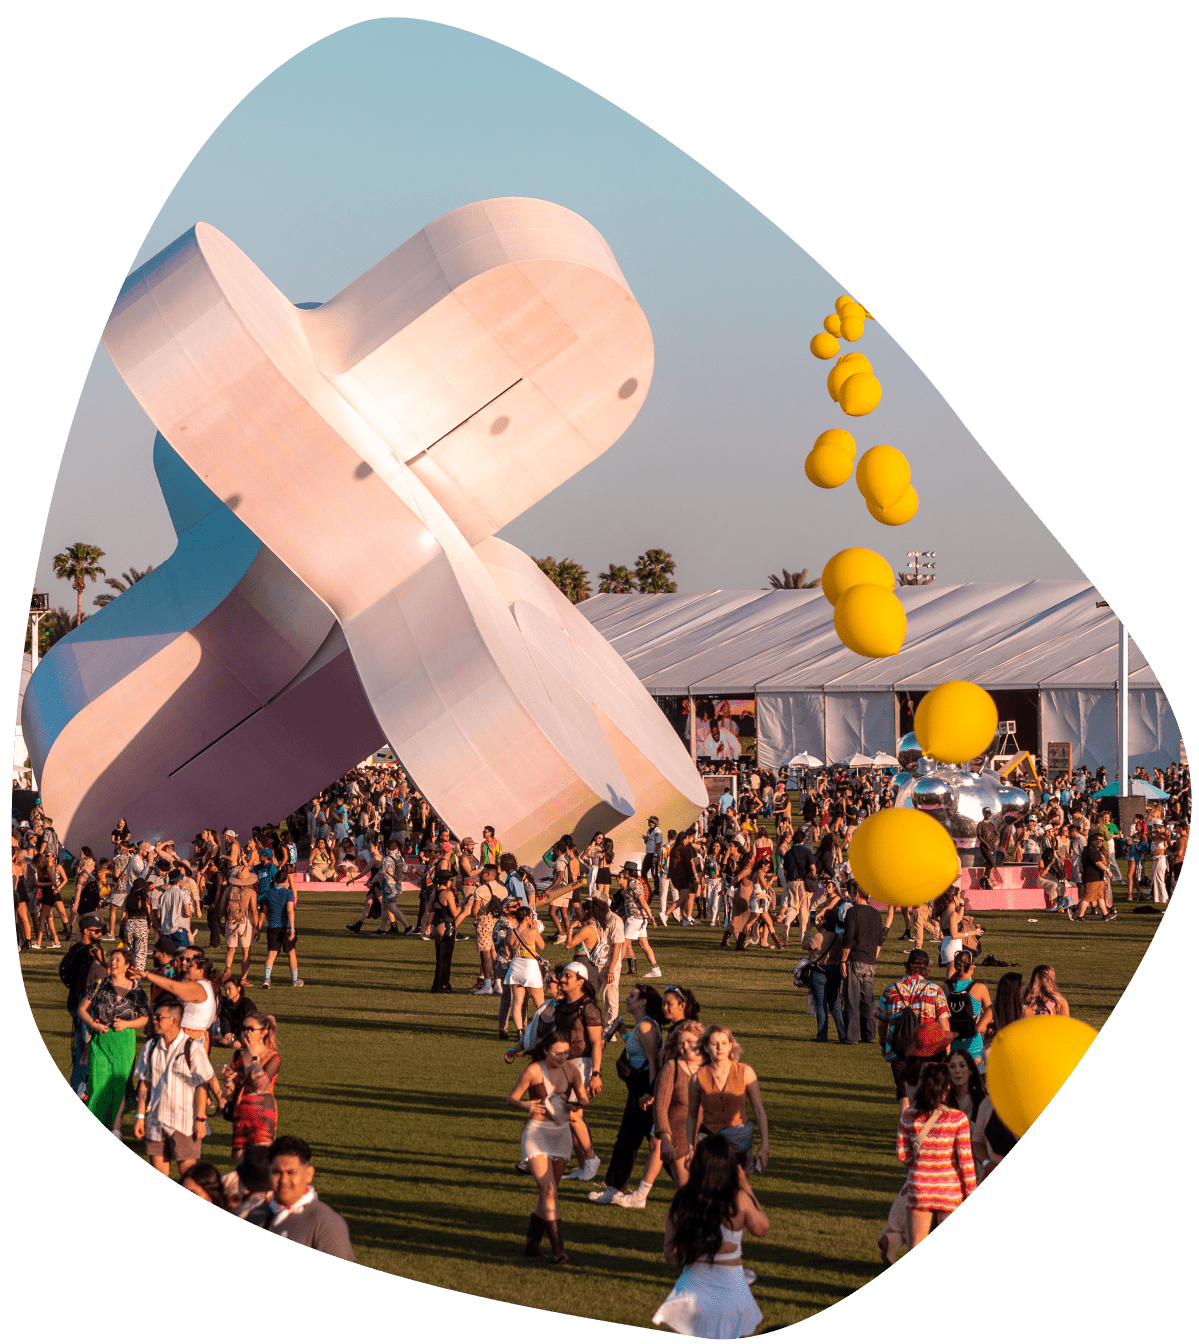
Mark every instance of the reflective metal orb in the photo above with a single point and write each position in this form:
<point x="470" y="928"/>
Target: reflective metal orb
<point x="908" y="752"/>
<point x="957" y="797"/>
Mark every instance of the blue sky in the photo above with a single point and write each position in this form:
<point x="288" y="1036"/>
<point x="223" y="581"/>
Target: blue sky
<point x="358" y="142"/>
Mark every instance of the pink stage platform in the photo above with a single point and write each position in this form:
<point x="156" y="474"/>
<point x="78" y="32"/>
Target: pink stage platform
<point x="357" y="884"/>
<point x="1012" y="888"/>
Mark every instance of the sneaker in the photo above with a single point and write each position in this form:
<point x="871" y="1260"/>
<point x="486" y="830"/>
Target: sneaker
<point x="297" y="984"/>
<point x="522" y="1166"/>
<point x="483" y="989"/>
<point x="605" y="1196"/>
<point x="1111" y="914"/>
<point x="426" y="937"/>
<point x="654" y="973"/>
<point x="633" y="1201"/>
<point x="586" y="1171"/>
<point x="266" y="984"/>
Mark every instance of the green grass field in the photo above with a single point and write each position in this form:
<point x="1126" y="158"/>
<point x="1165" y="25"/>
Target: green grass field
<point x="402" y="1097"/>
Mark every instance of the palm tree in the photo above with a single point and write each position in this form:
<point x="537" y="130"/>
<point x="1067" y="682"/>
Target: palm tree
<point x="653" y="570"/>
<point x="617" y="579"/>
<point x="130" y="577"/>
<point x="793" y="579"/>
<point x="80" y="565"/>
<point x="568" y="576"/>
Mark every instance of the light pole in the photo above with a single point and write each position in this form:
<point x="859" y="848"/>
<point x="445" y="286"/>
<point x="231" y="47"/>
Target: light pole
<point x="922" y="568"/>
<point x="39" y="606"/>
<point x="1121" y="703"/>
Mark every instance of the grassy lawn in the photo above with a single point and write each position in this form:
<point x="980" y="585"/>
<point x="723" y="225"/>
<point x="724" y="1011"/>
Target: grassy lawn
<point x="402" y="1096"/>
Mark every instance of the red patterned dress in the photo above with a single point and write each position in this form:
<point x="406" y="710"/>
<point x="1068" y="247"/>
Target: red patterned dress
<point x="255" y="1117"/>
<point x="941" y="1164"/>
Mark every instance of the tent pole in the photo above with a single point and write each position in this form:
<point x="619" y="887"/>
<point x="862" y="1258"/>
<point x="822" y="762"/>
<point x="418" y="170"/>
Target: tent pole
<point x="1122" y="709"/>
<point x="691" y="718"/>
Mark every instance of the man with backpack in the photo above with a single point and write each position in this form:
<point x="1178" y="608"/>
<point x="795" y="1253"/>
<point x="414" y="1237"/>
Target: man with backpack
<point x="237" y="905"/>
<point x="81" y="965"/>
<point x="903" y="1007"/>
<point x="173" y="1073"/>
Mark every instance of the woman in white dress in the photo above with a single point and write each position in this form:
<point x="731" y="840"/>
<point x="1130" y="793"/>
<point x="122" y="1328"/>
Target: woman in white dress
<point x="704" y="1227"/>
<point x="554" y="1085"/>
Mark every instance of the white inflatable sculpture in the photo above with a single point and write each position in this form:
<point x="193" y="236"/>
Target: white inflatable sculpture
<point x="372" y="446"/>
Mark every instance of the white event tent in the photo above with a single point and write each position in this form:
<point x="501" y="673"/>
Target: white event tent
<point x="1046" y="637"/>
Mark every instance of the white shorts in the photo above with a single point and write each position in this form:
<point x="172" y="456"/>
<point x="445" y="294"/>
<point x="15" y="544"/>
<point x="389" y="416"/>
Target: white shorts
<point x="634" y="928"/>
<point x="524" y="971"/>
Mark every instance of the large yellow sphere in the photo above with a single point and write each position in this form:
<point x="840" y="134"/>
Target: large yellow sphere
<point x="903" y="857"/>
<point x="840" y="438"/>
<point x="850" y="567"/>
<point x="902" y="511"/>
<point x="851" y="309"/>
<point x="870" y="621"/>
<point x="860" y="394"/>
<point x="828" y="465"/>
<point x="844" y="369"/>
<point x="842" y="302"/>
<point x="832" y="324"/>
<point x="883" y="475"/>
<point x="852" y="326"/>
<point x="823" y="345"/>
<point x="1030" y="1059"/>
<point x="956" y="722"/>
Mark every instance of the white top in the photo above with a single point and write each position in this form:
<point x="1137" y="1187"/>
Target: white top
<point x="200" y="1016"/>
<point x="729" y="1257"/>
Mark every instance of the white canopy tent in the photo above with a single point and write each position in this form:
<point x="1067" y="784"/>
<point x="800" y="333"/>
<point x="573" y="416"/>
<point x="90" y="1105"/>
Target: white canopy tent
<point x="1047" y="636"/>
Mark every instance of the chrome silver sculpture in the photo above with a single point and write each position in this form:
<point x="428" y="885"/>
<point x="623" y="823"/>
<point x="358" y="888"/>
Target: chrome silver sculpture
<point x="955" y="795"/>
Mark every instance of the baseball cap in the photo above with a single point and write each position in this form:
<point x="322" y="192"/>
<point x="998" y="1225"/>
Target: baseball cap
<point x="577" y="967"/>
<point x="91" y="922"/>
<point x="931" y="1039"/>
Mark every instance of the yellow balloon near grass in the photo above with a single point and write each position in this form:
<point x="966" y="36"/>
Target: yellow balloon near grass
<point x="824" y="345"/>
<point x="860" y="394"/>
<point x="832" y="324"/>
<point x="902" y="511"/>
<point x="828" y="465"/>
<point x="851" y="567"/>
<point x="1029" y="1061"/>
<point x="870" y="621"/>
<point x="903" y="857"/>
<point x="956" y="722"/>
<point x="883" y="475"/>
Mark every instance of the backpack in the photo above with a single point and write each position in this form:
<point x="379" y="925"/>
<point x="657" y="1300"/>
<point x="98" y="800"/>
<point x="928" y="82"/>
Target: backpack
<point x="961" y="1012"/>
<point x="904" y="1029"/>
<point x="71" y="970"/>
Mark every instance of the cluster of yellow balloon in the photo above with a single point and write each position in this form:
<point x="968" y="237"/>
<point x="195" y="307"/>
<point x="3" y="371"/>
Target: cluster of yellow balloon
<point x="867" y="616"/>
<point x="852" y="384"/>
<point x="885" y="482"/>
<point x="846" y="322"/>
<point x="830" y="463"/>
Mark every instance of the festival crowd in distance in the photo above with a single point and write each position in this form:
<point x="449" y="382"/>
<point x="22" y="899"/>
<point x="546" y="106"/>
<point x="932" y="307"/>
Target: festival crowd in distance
<point x="154" y="1013"/>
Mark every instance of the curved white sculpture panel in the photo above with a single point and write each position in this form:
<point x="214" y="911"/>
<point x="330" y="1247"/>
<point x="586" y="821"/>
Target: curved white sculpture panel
<point x="369" y="445"/>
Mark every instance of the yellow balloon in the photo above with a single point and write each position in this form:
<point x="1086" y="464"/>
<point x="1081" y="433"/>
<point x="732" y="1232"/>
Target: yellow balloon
<point x="823" y="345"/>
<point x="903" y="511"/>
<point x="860" y="394"/>
<point x="843" y="301"/>
<point x="883" y="475"/>
<point x="841" y="438"/>
<point x="851" y="309"/>
<point x="852" y="327"/>
<point x="903" y="857"/>
<point x="1030" y="1059"/>
<point x="870" y="621"/>
<point x="844" y="369"/>
<point x="832" y="324"/>
<point x="828" y="466"/>
<point x="850" y="567"/>
<point x="956" y="722"/>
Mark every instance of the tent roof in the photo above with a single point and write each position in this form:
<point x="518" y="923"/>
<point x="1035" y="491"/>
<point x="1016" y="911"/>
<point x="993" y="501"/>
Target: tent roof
<point x="1005" y="636"/>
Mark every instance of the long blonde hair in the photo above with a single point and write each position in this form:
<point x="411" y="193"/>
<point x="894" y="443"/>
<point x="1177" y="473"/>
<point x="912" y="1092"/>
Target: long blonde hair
<point x="269" y="1039"/>
<point x="734" y="1044"/>
<point x="1042" y="989"/>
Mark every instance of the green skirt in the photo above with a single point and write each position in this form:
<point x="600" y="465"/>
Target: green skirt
<point x="111" y="1056"/>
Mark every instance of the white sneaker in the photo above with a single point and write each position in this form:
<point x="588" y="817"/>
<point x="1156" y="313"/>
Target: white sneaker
<point x="560" y="941"/>
<point x="483" y="989"/>
<point x="605" y="1196"/>
<point x="633" y="1201"/>
<point x="654" y="973"/>
<point x="586" y="1171"/>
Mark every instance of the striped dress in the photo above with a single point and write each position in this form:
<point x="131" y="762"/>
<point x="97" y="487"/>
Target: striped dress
<point x="941" y="1174"/>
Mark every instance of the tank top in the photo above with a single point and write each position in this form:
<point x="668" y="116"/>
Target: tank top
<point x="729" y="1257"/>
<point x="637" y="1056"/>
<point x="555" y="1101"/>
<point x="723" y="1107"/>
<point x="200" y="1016"/>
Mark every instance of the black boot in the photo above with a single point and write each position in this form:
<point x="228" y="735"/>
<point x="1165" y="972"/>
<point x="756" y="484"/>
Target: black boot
<point x="356" y="927"/>
<point x="533" y="1237"/>
<point x="554" y="1228"/>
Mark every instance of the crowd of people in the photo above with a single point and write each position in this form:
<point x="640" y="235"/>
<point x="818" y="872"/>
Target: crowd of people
<point x="766" y="862"/>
